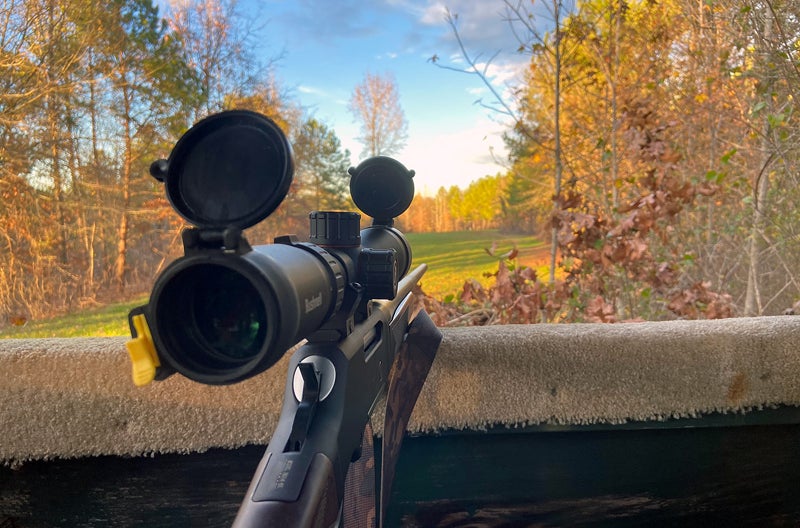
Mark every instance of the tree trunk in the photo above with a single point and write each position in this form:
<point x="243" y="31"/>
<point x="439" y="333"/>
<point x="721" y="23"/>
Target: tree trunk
<point x="54" y="128"/>
<point x="615" y="106"/>
<point x="122" y="229"/>
<point x="58" y="184"/>
<point x="557" y="134"/>
<point x="752" y="303"/>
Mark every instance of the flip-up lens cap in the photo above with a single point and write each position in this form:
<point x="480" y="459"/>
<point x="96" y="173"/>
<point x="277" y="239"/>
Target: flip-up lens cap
<point x="230" y="169"/>
<point x="382" y="187"/>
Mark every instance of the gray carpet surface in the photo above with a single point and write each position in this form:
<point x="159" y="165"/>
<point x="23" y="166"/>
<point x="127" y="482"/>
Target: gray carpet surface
<point x="74" y="397"/>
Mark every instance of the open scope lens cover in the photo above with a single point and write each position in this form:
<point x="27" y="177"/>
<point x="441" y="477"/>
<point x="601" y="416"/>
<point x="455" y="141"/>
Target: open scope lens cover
<point x="233" y="168"/>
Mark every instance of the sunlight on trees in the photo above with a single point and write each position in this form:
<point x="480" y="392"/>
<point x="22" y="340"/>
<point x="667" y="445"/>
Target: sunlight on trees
<point x="656" y="144"/>
<point x="92" y="93"/>
<point x="679" y="114"/>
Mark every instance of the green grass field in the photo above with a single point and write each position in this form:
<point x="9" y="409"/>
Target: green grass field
<point x="452" y="258"/>
<point x="111" y="320"/>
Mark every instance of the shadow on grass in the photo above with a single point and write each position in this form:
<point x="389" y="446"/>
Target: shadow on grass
<point x="108" y="321"/>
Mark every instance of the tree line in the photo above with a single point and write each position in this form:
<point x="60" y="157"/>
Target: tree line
<point x="477" y="208"/>
<point x="91" y="92"/>
<point x="654" y="143"/>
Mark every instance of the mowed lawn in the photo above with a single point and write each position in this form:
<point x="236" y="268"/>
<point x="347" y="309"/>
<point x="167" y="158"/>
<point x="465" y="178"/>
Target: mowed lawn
<point x="452" y="258"/>
<point x="107" y="321"/>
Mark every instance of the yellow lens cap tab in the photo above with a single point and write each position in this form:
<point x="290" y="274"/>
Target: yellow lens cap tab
<point x="142" y="352"/>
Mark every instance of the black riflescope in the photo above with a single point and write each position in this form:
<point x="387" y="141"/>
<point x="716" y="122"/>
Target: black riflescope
<point x="226" y="311"/>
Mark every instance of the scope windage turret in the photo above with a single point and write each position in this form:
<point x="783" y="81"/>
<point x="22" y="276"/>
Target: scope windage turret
<point x="226" y="311"/>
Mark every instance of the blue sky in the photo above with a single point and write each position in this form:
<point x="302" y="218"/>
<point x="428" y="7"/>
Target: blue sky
<point x="328" y="46"/>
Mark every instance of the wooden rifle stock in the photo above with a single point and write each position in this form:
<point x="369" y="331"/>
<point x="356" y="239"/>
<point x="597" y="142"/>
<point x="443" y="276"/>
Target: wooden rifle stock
<point x="331" y="390"/>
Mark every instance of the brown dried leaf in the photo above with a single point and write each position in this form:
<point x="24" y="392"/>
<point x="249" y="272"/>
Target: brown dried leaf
<point x="472" y="291"/>
<point x="599" y="311"/>
<point x="707" y="189"/>
<point x="528" y="273"/>
<point x="503" y="289"/>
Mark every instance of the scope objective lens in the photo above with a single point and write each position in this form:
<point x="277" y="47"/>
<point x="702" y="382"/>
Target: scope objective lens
<point x="229" y="316"/>
<point x="211" y="321"/>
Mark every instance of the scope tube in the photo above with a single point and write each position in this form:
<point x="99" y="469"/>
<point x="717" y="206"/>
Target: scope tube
<point x="386" y="237"/>
<point x="219" y="318"/>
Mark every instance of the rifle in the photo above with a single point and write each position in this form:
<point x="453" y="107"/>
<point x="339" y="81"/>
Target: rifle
<point x="226" y="311"/>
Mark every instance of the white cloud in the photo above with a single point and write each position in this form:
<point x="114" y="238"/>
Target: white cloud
<point x="456" y="58"/>
<point x="311" y="90"/>
<point x="433" y="14"/>
<point x="503" y="73"/>
<point x="477" y="20"/>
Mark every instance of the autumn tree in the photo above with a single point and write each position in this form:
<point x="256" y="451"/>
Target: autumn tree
<point x="45" y="45"/>
<point x="145" y="99"/>
<point x="375" y="105"/>
<point x="91" y="93"/>
<point x="481" y="203"/>
<point x="94" y="87"/>
<point x="772" y="67"/>
<point x="704" y="105"/>
<point x="679" y="155"/>
<point x="267" y="98"/>
<point x="216" y="41"/>
<point x="418" y="218"/>
<point x="478" y="207"/>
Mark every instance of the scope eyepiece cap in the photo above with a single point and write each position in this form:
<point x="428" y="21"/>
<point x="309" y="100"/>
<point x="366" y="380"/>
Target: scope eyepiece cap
<point x="233" y="168"/>
<point x="381" y="187"/>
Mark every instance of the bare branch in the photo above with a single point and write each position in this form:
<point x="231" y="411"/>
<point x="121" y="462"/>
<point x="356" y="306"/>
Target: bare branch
<point x="375" y="104"/>
<point x="473" y="69"/>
